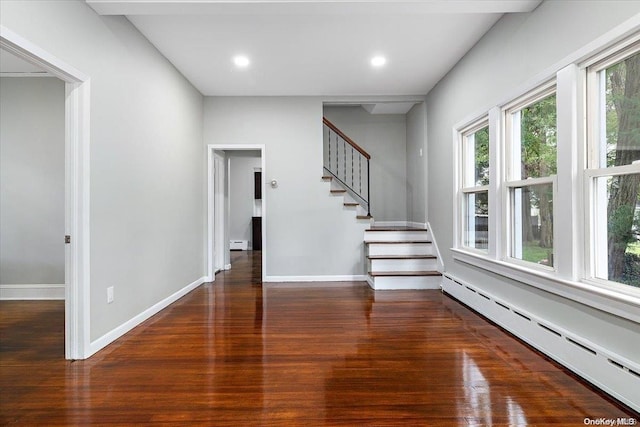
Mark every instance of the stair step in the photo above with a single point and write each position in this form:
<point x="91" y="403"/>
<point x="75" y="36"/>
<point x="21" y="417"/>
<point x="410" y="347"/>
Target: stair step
<point x="337" y="191"/>
<point x="327" y="178"/>
<point x="402" y="257"/>
<point x="350" y="204"/>
<point x="395" y="228"/>
<point x="403" y="273"/>
<point x="364" y="217"/>
<point x="397" y="242"/>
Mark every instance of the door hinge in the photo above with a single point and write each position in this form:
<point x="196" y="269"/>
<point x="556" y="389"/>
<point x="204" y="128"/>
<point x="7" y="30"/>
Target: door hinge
<point x="67" y="239"/>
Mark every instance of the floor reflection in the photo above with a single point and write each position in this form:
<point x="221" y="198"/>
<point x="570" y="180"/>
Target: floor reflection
<point x="233" y="352"/>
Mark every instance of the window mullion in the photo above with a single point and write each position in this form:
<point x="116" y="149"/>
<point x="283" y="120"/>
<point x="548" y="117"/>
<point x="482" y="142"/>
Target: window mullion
<point x="496" y="229"/>
<point x="567" y="235"/>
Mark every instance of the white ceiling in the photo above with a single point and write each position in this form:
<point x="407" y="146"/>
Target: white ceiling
<point x="307" y="47"/>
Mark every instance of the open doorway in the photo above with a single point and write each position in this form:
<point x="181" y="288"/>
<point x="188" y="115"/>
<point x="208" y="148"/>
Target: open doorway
<point x="236" y="205"/>
<point x="75" y="232"/>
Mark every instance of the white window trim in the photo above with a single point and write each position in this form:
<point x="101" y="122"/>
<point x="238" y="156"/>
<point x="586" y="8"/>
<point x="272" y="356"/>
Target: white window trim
<point x="460" y="153"/>
<point x="571" y="278"/>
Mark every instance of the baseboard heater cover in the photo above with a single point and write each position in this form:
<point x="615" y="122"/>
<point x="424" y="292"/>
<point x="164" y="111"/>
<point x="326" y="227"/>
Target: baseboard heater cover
<point x="238" y="245"/>
<point x="606" y="370"/>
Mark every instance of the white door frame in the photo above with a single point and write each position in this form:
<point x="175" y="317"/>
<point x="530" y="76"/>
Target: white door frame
<point x="77" y="262"/>
<point x="211" y="207"/>
<point x="219" y="191"/>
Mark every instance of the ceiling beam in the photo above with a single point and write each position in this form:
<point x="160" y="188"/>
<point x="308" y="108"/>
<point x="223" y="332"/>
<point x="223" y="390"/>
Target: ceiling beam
<point x="306" y="7"/>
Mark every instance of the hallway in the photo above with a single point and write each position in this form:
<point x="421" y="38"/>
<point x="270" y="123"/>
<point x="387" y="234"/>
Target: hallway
<point x="234" y="353"/>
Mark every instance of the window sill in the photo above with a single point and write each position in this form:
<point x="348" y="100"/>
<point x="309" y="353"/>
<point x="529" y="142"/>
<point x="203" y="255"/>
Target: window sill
<point x="625" y="305"/>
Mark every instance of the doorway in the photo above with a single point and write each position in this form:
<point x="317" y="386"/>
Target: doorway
<point x="76" y="188"/>
<point x="220" y="211"/>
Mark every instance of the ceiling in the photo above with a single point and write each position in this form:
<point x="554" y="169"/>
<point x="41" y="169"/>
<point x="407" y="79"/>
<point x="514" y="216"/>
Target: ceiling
<point x="307" y="47"/>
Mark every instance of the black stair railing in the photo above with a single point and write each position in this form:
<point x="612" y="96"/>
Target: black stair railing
<point x="348" y="163"/>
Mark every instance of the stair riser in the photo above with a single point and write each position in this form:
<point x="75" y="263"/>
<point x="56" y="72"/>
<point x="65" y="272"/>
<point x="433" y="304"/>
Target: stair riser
<point x="401" y="249"/>
<point x="402" y="265"/>
<point x="395" y="236"/>
<point x="411" y="282"/>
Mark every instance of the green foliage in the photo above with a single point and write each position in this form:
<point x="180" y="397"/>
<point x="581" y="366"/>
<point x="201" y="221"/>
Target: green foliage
<point x="539" y="138"/>
<point x="482" y="156"/>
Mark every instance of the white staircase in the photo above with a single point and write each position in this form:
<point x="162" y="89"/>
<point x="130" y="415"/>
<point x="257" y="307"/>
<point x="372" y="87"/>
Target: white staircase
<point x="401" y="258"/>
<point x="349" y="201"/>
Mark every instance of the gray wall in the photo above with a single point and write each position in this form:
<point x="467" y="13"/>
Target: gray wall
<point x="308" y="232"/>
<point x="147" y="161"/>
<point x="31" y="180"/>
<point x="517" y="48"/>
<point x="416" y="163"/>
<point x="241" y="198"/>
<point x="384" y="137"/>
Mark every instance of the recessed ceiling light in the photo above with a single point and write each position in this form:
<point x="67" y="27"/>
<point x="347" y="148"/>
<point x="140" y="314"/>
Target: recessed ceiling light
<point x="378" y="61"/>
<point x="241" y="61"/>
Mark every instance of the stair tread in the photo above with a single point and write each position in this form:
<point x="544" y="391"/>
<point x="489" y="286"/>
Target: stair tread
<point x="364" y="217"/>
<point x="338" y="191"/>
<point x="327" y="178"/>
<point x="404" y="273"/>
<point x="397" y="242"/>
<point x="351" y="204"/>
<point x="400" y="228"/>
<point x="402" y="257"/>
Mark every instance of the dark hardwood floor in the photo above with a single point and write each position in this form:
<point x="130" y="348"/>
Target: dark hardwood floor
<point x="234" y="353"/>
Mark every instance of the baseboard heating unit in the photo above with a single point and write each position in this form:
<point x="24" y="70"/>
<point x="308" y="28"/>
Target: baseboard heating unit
<point x="606" y="370"/>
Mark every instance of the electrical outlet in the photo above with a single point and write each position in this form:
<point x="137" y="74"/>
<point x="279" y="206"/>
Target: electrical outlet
<point x="421" y="152"/>
<point x="109" y="294"/>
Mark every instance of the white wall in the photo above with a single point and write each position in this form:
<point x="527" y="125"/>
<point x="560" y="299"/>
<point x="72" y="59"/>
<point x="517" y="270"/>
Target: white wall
<point x="308" y="232"/>
<point x="384" y="137"/>
<point x="417" y="163"/>
<point x="147" y="161"/>
<point x="242" y="165"/>
<point x="515" y="50"/>
<point x="31" y="180"/>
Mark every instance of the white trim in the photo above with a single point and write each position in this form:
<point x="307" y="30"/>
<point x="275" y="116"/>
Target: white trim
<point x="209" y="275"/>
<point x="434" y="243"/>
<point x="77" y="188"/>
<point x="32" y="292"/>
<point x="417" y="224"/>
<point x="598" y="365"/>
<point x="26" y="74"/>
<point x="341" y="278"/>
<point x="624" y="305"/>
<point x="119" y="331"/>
<point x="390" y="223"/>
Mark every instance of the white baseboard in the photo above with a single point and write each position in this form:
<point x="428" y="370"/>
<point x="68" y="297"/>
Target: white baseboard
<point x="32" y="292"/>
<point x="612" y="373"/>
<point x="288" y="279"/>
<point x="116" y="333"/>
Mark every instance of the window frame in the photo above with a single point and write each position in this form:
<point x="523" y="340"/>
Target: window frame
<point x="463" y="191"/>
<point x="595" y="117"/>
<point x="511" y="147"/>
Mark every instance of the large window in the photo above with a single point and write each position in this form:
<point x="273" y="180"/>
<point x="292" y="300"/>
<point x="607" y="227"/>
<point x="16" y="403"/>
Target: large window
<point x="549" y="182"/>
<point x="531" y="137"/>
<point x="475" y="186"/>
<point x="613" y="175"/>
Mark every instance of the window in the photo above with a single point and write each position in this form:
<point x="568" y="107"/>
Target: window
<point x="559" y="206"/>
<point x="475" y="186"/>
<point x="613" y="173"/>
<point x="531" y="138"/>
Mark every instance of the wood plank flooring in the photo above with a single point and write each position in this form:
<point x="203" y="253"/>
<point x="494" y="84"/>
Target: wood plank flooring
<point x="234" y="353"/>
